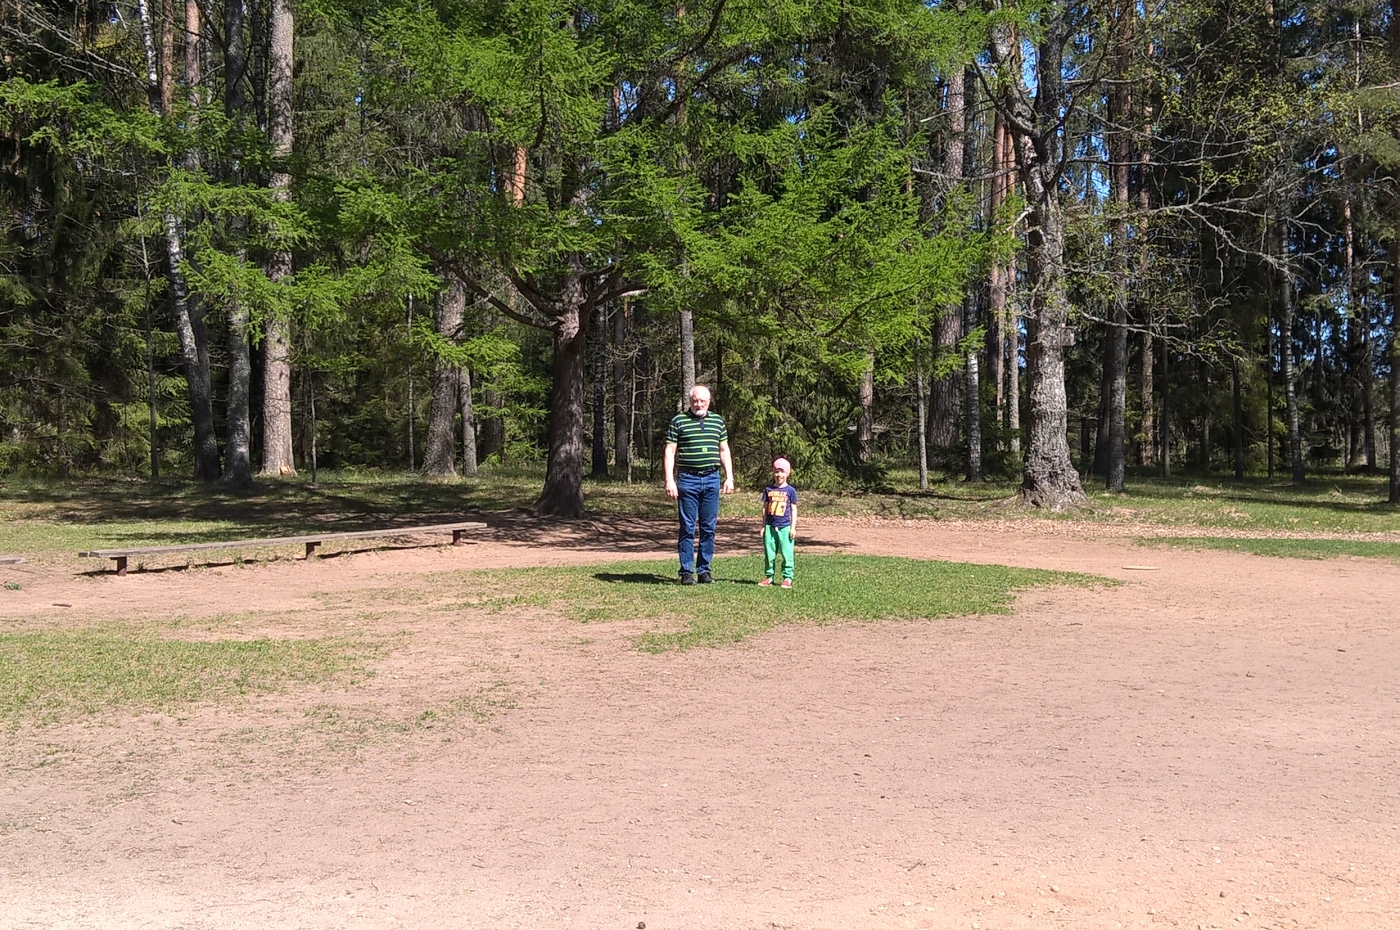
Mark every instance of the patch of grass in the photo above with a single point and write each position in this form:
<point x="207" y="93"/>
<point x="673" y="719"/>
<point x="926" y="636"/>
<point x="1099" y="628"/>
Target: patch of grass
<point x="480" y="706"/>
<point x="1327" y="504"/>
<point x="1284" y="547"/>
<point x="829" y="588"/>
<point x="46" y="677"/>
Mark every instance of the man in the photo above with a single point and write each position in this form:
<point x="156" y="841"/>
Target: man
<point x="697" y="446"/>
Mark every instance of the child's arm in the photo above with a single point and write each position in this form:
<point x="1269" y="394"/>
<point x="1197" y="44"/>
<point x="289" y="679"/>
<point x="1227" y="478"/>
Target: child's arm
<point x="792" y="508"/>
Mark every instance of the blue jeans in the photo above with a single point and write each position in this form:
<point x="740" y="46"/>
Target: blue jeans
<point x="698" y="505"/>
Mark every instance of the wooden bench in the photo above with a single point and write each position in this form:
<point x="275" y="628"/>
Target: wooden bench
<point x="458" y="530"/>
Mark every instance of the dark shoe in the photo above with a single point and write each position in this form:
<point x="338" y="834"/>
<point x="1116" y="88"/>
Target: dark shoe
<point x="704" y="578"/>
<point x="687" y="578"/>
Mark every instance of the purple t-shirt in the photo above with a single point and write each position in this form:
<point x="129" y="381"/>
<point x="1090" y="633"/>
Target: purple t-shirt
<point x="777" y="505"/>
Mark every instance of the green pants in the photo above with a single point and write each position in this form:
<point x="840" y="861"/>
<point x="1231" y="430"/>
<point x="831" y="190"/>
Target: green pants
<point x="776" y="539"/>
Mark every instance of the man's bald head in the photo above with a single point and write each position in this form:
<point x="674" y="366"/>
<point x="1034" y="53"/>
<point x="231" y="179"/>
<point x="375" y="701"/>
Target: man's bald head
<point x="700" y="400"/>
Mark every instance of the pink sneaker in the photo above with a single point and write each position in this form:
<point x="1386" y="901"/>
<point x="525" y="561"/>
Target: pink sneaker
<point x="787" y="582"/>
<point x="766" y="583"/>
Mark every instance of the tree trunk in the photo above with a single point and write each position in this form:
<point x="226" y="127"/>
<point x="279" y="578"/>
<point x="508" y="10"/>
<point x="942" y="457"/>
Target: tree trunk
<point x="1238" y="439"/>
<point x="189" y="316"/>
<point x="440" y="454"/>
<point x="1269" y="403"/>
<point x="194" y="73"/>
<point x="1206" y="443"/>
<point x="562" y="495"/>
<point x="1166" y="411"/>
<point x="1394" y="497"/>
<point x="464" y="393"/>
<point x="238" y="455"/>
<point x="1120" y="154"/>
<point x="194" y="347"/>
<point x="996" y="292"/>
<point x="1290" y="380"/>
<point x="623" y="399"/>
<point x="167" y="56"/>
<point x="411" y="401"/>
<point x="945" y="408"/>
<point x="972" y="396"/>
<point x="1049" y="478"/>
<point x="1395" y="303"/>
<point x="277" y="344"/>
<point x="1099" y="466"/>
<point x="920" y="414"/>
<point x="493" y="426"/>
<point x="1147" y="432"/>
<point x="600" y="395"/>
<point x="865" y="426"/>
<point x="1013" y="383"/>
<point x="687" y="331"/>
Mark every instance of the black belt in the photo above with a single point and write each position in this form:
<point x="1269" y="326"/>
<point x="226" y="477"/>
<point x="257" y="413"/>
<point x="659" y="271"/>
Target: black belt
<point x="699" y="472"/>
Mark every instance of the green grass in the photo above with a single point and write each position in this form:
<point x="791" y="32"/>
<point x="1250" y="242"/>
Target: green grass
<point x="1326" y="504"/>
<point x="1283" y="547"/>
<point x="48" y="677"/>
<point x="828" y="589"/>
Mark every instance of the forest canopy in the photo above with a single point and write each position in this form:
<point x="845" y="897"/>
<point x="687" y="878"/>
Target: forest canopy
<point x="1051" y="242"/>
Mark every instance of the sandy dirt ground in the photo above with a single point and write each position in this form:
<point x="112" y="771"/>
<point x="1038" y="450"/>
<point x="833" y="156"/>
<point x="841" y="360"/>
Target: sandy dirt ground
<point x="1213" y="743"/>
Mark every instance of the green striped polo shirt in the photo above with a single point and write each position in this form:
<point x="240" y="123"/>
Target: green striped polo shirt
<point x="697" y="440"/>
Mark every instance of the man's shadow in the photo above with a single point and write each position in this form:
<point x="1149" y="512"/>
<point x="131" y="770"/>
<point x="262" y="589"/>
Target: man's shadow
<point x="644" y="578"/>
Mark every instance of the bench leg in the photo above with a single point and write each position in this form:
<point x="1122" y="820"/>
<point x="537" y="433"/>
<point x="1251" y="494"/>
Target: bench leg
<point x="121" y="565"/>
<point x="459" y="537"/>
<point x="311" y="549"/>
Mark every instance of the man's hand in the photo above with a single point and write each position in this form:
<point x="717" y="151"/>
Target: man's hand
<point x="728" y="487"/>
<point x="668" y="460"/>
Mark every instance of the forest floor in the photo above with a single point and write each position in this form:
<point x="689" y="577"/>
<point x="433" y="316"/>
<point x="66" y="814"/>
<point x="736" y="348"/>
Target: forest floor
<point x="1210" y="743"/>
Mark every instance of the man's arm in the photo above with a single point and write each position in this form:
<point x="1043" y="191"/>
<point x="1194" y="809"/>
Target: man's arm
<point x="728" y="467"/>
<point x="670" y="461"/>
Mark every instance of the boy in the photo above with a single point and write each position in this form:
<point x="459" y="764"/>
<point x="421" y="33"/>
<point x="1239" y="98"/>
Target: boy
<point x="779" y="522"/>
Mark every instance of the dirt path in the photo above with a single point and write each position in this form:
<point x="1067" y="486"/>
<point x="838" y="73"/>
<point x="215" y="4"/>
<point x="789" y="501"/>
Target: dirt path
<point x="1213" y="743"/>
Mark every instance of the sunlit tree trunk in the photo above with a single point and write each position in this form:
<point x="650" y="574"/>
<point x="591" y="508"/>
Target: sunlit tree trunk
<point x="464" y="395"/>
<point x="238" y="454"/>
<point x="865" y="425"/>
<point x="189" y="316"/>
<point x="1049" y="479"/>
<point x="277" y="342"/>
<point x="972" y="396"/>
<point x="687" y="344"/>
<point x="439" y="455"/>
